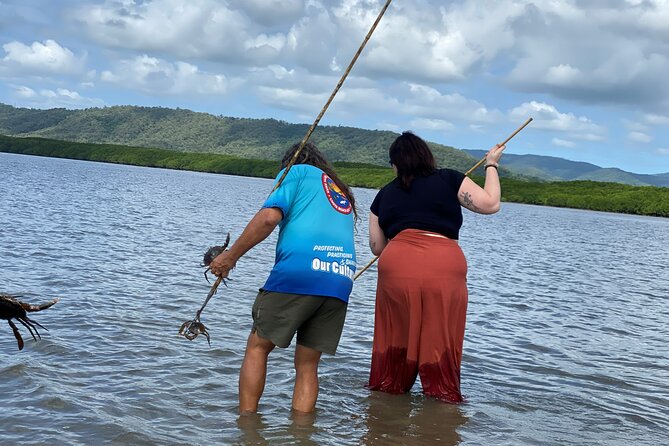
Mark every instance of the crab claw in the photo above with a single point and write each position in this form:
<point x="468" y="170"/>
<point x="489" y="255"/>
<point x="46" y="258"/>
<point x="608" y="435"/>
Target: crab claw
<point x="29" y="307"/>
<point x="192" y="329"/>
<point x="182" y="329"/>
<point x="17" y="335"/>
<point x="206" y="334"/>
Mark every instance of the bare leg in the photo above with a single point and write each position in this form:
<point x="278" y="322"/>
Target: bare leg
<point x="253" y="373"/>
<point x="306" y="380"/>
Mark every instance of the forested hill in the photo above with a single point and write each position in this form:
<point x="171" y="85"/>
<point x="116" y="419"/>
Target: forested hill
<point x="188" y="131"/>
<point x="551" y="168"/>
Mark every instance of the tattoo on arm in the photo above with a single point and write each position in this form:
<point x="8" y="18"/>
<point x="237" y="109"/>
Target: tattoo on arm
<point x="468" y="202"/>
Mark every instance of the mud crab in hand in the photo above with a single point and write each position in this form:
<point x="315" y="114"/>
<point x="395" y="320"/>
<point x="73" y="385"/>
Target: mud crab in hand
<point x="193" y="328"/>
<point x="211" y="254"/>
<point x="12" y="308"/>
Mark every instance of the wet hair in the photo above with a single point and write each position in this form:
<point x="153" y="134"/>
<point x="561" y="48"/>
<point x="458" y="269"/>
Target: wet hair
<point x="312" y="156"/>
<point x="412" y="157"/>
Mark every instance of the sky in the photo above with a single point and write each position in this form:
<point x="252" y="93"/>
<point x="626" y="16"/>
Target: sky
<point x="593" y="74"/>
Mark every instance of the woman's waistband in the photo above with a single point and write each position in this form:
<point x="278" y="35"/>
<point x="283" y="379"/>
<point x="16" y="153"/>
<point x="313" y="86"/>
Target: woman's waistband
<point x="422" y="235"/>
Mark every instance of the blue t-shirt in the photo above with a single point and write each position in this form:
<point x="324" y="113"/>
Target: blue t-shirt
<point x="315" y="253"/>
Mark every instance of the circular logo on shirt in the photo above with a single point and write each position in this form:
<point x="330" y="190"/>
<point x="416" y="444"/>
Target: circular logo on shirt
<point x="335" y="195"/>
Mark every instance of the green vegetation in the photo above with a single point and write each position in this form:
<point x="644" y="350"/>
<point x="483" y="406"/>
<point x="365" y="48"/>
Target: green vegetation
<point x="140" y="156"/>
<point x="592" y="195"/>
<point x="188" y="131"/>
<point x="610" y="197"/>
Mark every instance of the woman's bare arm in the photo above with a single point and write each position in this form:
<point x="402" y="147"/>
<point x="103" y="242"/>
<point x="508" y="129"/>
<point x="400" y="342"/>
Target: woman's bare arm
<point x="377" y="239"/>
<point x="486" y="199"/>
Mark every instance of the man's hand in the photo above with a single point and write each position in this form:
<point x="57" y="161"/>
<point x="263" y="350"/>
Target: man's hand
<point x="257" y="230"/>
<point x="222" y="264"/>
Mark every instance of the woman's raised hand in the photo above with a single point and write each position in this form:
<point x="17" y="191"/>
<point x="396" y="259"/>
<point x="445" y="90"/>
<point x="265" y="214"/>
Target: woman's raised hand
<point x="494" y="154"/>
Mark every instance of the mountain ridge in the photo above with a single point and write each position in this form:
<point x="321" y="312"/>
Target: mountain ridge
<point x="266" y="138"/>
<point x="185" y="130"/>
<point x="551" y="168"/>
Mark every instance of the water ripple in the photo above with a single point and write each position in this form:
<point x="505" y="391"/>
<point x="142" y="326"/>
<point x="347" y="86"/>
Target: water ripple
<point x="565" y="341"/>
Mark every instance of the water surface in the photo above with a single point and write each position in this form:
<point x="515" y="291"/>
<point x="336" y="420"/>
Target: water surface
<point x="565" y="344"/>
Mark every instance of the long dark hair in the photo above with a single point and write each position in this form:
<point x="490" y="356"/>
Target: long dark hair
<point x="312" y="156"/>
<point x="412" y="157"/>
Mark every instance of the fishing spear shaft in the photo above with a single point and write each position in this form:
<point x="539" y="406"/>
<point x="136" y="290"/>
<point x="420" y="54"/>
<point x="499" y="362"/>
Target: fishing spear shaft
<point x="466" y="174"/>
<point x="212" y="291"/>
<point x="334" y="93"/>
<point x="476" y="166"/>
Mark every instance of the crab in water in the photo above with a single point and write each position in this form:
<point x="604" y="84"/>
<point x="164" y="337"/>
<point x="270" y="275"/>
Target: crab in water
<point x="12" y="308"/>
<point x="211" y="254"/>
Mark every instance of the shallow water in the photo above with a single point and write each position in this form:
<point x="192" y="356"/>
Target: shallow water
<point x="565" y="344"/>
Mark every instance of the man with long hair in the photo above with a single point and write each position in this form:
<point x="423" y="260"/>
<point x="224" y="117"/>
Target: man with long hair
<point x="307" y="290"/>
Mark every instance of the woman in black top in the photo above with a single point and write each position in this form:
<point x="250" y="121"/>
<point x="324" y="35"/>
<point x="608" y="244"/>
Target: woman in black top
<point x="421" y="296"/>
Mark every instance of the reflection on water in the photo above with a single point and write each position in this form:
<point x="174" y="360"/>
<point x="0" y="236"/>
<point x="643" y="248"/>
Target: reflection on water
<point x="565" y="342"/>
<point x="411" y="420"/>
<point x="251" y="428"/>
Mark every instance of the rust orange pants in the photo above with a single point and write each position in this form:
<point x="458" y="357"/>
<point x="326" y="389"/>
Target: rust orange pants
<point x="421" y="307"/>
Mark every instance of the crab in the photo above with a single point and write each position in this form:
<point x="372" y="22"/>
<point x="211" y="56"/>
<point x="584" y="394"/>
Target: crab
<point x="211" y="254"/>
<point x="193" y="328"/>
<point x="12" y="308"/>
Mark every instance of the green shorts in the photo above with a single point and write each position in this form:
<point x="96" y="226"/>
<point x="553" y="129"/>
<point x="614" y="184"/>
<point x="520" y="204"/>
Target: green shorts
<point x="317" y="320"/>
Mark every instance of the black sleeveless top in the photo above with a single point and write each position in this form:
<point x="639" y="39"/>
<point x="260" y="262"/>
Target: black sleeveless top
<point x="431" y="204"/>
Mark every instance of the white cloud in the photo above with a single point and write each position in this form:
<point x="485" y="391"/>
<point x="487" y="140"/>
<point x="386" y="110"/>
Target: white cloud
<point x="563" y="75"/>
<point x="187" y="30"/>
<point x="663" y="151"/>
<point x="280" y="72"/>
<point x="53" y="98"/>
<point x="635" y="126"/>
<point x="431" y="124"/>
<point x="393" y="127"/>
<point x="562" y="143"/>
<point x="547" y="117"/>
<point x="276" y="42"/>
<point x="367" y="98"/>
<point x="271" y="12"/>
<point x="654" y="119"/>
<point x="310" y="43"/>
<point x="426" y="101"/>
<point x="40" y="58"/>
<point x="422" y="104"/>
<point x="450" y="43"/>
<point x="293" y="99"/>
<point x="639" y="137"/>
<point x="607" y="52"/>
<point x="153" y="75"/>
<point x="24" y="92"/>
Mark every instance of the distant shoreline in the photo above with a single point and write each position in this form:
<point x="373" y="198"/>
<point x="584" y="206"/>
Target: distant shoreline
<point x="587" y="195"/>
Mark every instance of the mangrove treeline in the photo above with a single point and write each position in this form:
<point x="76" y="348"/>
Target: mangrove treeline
<point x="597" y="196"/>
